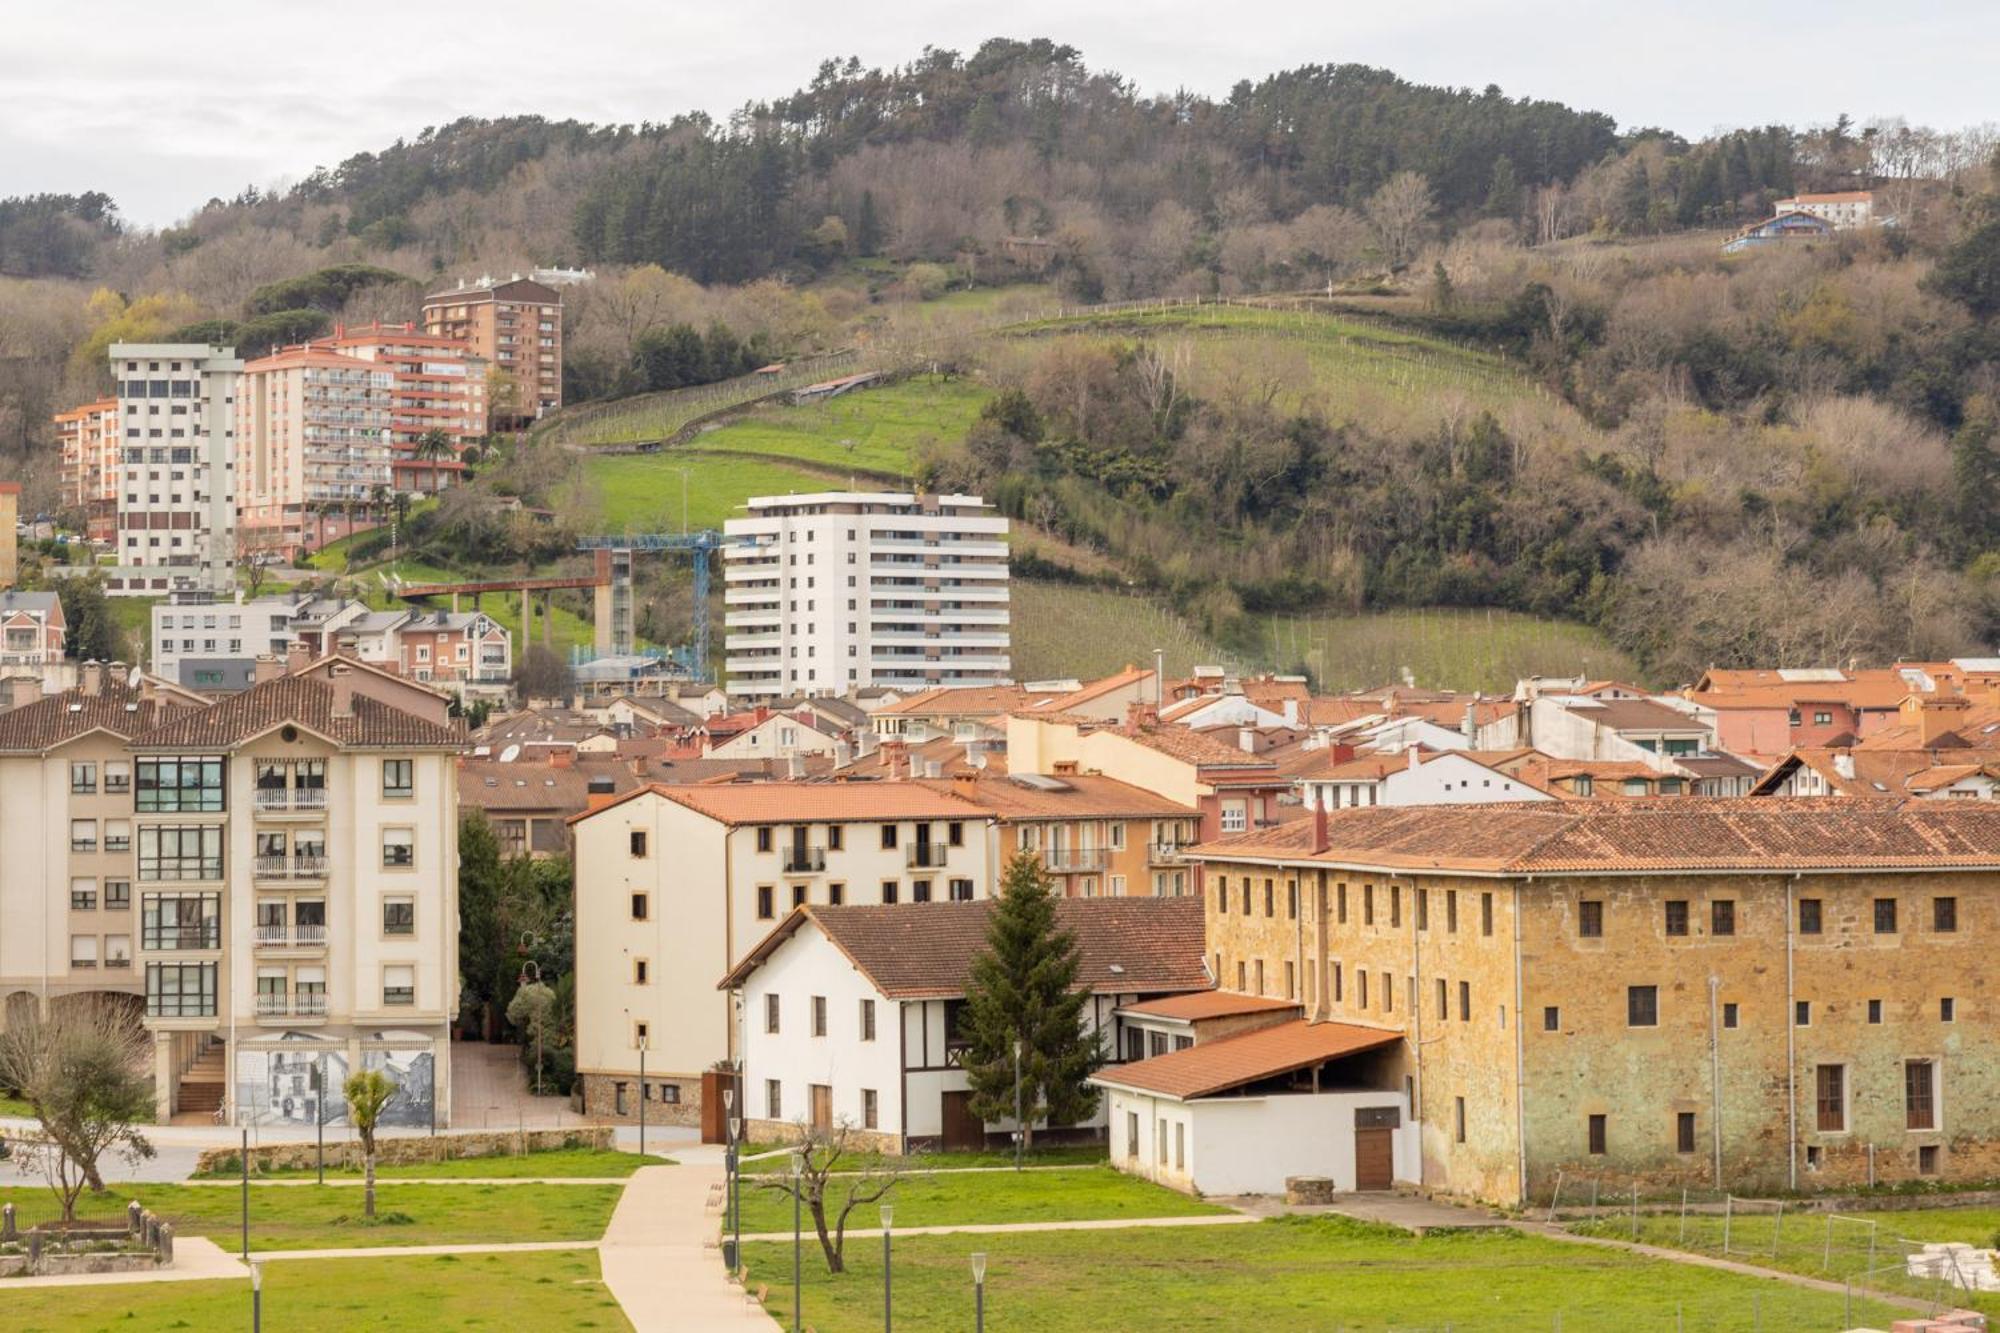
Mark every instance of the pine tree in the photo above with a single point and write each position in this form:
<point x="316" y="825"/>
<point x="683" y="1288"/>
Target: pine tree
<point x="1024" y="985"/>
<point x="867" y="228"/>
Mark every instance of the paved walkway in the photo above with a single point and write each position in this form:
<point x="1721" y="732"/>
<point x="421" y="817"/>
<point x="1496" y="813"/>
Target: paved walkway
<point x="196" y="1259"/>
<point x="490" y="1091"/>
<point x="356" y="1182"/>
<point x="419" y="1251"/>
<point x="1095" y="1224"/>
<point x="658" y="1254"/>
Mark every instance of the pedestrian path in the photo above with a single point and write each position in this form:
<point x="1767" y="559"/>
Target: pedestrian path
<point x="420" y="1251"/>
<point x="998" y="1228"/>
<point x="658" y="1255"/>
<point x="196" y="1259"/>
<point x="356" y="1182"/>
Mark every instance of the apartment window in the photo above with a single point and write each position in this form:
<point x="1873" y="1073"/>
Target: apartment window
<point x="1729" y="1013"/>
<point x="1802" y="1013"/>
<point x="178" y="852"/>
<point x="117" y="894"/>
<point x="1684" y="1132"/>
<point x="1597" y="1135"/>
<point x="180" y="990"/>
<point x="889" y="890"/>
<point x="83" y="835"/>
<point x="774" y="1107"/>
<point x="83" y="951"/>
<point x="836" y="894"/>
<point x="1642" y="1006"/>
<point x="399" y="848"/>
<point x="765" y="902"/>
<point x="920" y="890"/>
<point x="834" y="837"/>
<point x="1367" y="904"/>
<point x="641" y="1036"/>
<point x="181" y="921"/>
<point x="1944" y="915"/>
<point x="1874" y="1011"/>
<point x="1458" y="1119"/>
<point x="639" y="905"/>
<point x="961" y="889"/>
<point x="1340" y="902"/>
<point x="1919" y="1094"/>
<point x="117" y="835"/>
<point x="1486" y="913"/>
<point x="798" y="895"/>
<point x="888" y="837"/>
<point x="1808" y="916"/>
<point x="1722" y="917"/>
<point x="1590" y="919"/>
<point x="954" y="834"/>
<point x="1465" y="1002"/>
<point x="186" y="785"/>
<point x="771" y="1012"/>
<point x="636" y="840"/>
<point x="399" y="984"/>
<point x="83" y="895"/>
<point x="1947" y="1009"/>
<point x="641" y="971"/>
<point x="1677" y="916"/>
<point x="117" y="779"/>
<point x="399" y="916"/>
<point x="1830" y="1097"/>
<point x="83" y="779"/>
<point x="399" y="779"/>
<point x="870" y="1113"/>
<point x="1551" y="1019"/>
<point x="1885" y="916"/>
<point x="868" y="1020"/>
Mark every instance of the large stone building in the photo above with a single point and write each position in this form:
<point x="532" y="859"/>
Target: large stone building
<point x="514" y="325"/>
<point x="176" y="523"/>
<point x="1725" y="994"/>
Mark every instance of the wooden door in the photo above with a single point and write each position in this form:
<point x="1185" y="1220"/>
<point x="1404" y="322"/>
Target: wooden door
<point x="822" y="1106"/>
<point x="1374" y="1159"/>
<point x="962" y="1129"/>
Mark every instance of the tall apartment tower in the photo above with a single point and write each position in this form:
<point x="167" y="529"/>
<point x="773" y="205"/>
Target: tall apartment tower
<point x="176" y="512"/>
<point x="832" y="591"/>
<point x="89" y="439"/>
<point x="516" y="325"/>
<point x="439" y="385"/>
<point x="312" y="431"/>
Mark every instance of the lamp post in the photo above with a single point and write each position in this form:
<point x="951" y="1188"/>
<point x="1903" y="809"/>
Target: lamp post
<point x="319" y="1110"/>
<point x="888" y="1303"/>
<point x="1018" y="1126"/>
<point x="735" y="1201"/>
<point x="979" y="1291"/>
<point x="246" y="1195"/>
<point x="256" y="1298"/>
<point x="798" y="1264"/>
<point x="642" y="1096"/>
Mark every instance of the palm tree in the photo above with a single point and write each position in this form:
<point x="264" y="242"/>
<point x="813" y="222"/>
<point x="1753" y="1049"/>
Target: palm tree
<point x="367" y="1093"/>
<point x="433" y="447"/>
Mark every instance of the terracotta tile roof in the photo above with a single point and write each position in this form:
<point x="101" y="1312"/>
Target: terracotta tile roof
<point x="56" y="718"/>
<point x="738" y="803"/>
<point x="1936" y="779"/>
<point x="1636" y="715"/>
<point x="1685" y="833"/>
<point x="1207" y="1004"/>
<point x="1131" y="675"/>
<point x="1197" y="748"/>
<point x="947" y="752"/>
<point x="1210" y="1067"/>
<point x="1081" y="796"/>
<point x="308" y="702"/>
<point x="925" y="950"/>
<point x="964" y="701"/>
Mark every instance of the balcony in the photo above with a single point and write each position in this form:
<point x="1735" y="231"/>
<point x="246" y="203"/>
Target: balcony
<point x="290" y="800"/>
<point x="805" y="860"/>
<point x="927" y="856"/>
<point x="1071" y="860"/>
<point x="290" y="867"/>
<point x="300" y="935"/>
<point x="292" y="1006"/>
<point x="1165" y="853"/>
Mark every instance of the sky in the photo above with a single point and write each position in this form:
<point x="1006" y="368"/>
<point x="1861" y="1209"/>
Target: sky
<point x="164" y="106"/>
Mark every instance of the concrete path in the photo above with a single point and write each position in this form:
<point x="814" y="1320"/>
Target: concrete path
<point x="420" y="1251"/>
<point x="995" y="1228"/>
<point x="196" y="1259"/>
<point x="659" y="1257"/>
<point x="355" y="1182"/>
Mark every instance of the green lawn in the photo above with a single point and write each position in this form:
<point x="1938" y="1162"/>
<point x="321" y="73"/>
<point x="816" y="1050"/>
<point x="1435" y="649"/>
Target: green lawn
<point x="1087" y="1193"/>
<point x="1295" y="1273"/>
<point x="1444" y="648"/>
<point x="505" y="607"/>
<point x="312" y="1217"/>
<point x="642" y="492"/>
<point x="873" y="430"/>
<point x="1061" y="1154"/>
<point x="1062" y="630"/>
<point x="554" y="1290"/>
<point x="554" y="1164"/>
<point x="15" y="1106"/>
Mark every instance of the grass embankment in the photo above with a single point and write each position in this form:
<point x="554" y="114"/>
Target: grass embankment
<point x="16" y="1107"/>
<point x="558" y="1163"/>
<point x="313" y="1217"/>
<point x="1084" y="1193"/>
<point x="1306" y="1273"/>
<point x="558" y="1289"/>
<point x="1442" y="647"/>
<point x="1062" y="630"/>
<point x="375" y="588"/>
<point x="1060" y="1154"/>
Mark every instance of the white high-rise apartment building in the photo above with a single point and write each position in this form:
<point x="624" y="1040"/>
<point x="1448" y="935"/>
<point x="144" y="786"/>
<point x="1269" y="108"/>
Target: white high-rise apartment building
<point x="836" y="590"/>
<point x="176" y="508"/>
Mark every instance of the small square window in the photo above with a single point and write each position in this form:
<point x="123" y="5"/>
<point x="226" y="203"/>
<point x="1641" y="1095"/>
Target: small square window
<point x="1551" y="1019"/>
<point x="638" y="841"/>
<point x="1729" y="1013"/>
<point x="399" y="916"/>
<point x="399" y="779"/>
<point x="1947" y="1010"/>
<point x="639" y="907"/>
<point x="1802" y="1013"/>
<point x="1875" y="1011"/>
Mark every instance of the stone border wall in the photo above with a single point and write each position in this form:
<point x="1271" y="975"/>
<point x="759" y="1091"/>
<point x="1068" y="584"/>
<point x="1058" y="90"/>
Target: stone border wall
<point x="414" y="1151"/>
<point x="600" y="1098"/>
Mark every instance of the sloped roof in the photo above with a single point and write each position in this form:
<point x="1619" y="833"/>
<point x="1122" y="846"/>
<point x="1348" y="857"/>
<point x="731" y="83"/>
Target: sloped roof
<point x="1210" y="1067"/>
<point x="1197" y="748"/>
<point x="1636" y="715"/>
<point x="1198" y="1005"/>
<point x="308" y="702"/>
<point x="963" y="701"/>
<point x="915" y="951"/>
<point x="1079" y="796"/>
<point x="55" y="719"/>
<point x="809" y="802"/>
<point x="1687" y="833"/>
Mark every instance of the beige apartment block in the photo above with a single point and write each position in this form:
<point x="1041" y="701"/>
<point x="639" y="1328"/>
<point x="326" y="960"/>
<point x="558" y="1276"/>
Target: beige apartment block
<point x="312" y="438"/>
<point x="515" y="325"/>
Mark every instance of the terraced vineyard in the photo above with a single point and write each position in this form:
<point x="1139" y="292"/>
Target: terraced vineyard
<point x="1439" y="648"/>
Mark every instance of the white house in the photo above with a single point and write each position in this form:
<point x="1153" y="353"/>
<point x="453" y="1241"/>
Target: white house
<point x="1648" y="731"/>
<point x="781" y="736"/>
<point x="849" y="1014"/>
<point x="1415" y="777"/>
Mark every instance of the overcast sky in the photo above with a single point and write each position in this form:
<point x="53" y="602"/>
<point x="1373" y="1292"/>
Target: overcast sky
<point x="164" y="106"/>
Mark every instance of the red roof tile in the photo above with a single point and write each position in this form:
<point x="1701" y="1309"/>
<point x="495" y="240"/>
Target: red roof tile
<point x="1210" y="1067"/>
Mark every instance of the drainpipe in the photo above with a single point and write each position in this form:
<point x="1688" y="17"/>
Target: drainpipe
<point x="1715" y="1072"/>
<point x="1417" y="1026"/>
<point x="1791" y="1043"/>
<point x="1520" y="1054"/>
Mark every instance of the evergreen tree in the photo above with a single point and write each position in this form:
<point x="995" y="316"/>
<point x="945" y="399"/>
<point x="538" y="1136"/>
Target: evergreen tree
<point x="483" y="946"/>
<point x="1024" y="986"/>
<point x="1503" y="192"/>
<point x="1975" y="474"/>
<point x="93" y="634"/>
<point x="1969" y="272"/>
<point x="867" y="228"/>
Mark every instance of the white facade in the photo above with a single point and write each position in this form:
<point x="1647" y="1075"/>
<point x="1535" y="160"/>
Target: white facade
<point x="1845" y="210"/>
<point x="1425" y="779"/>
<point x="780" y="736"/>
<point x="1248" y="1145"/>
<point x="205" y="643"/>
<point x="176" y="523"/>
<point x="839" y="590"/>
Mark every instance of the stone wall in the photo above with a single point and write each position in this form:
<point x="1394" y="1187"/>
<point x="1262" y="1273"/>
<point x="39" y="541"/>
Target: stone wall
<point x="407" y="1151"/>
<point x="790" y="1131"/>
<point x="674" y="1100"/>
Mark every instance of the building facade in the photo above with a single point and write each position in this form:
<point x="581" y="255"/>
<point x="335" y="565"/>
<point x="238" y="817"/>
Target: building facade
<point x="89" y="439"/>
<point x="515" y="326"/>
<point x="176" y="523"/>
<point x="312" y="454"/>
<point x="32" y="632"/>
<point x="437" y="384"/>
<point x="844" y="590"/>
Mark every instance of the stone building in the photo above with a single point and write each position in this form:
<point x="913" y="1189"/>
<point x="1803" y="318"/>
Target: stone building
<point x="1721" y="994"/>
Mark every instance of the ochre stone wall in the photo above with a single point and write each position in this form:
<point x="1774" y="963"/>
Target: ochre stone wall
<point x="600" y="1099"/>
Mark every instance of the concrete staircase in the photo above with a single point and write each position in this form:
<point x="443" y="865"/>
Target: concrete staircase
<point x="202" y="1087"/>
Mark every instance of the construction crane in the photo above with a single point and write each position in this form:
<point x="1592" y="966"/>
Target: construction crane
<point x="615" y="635"/>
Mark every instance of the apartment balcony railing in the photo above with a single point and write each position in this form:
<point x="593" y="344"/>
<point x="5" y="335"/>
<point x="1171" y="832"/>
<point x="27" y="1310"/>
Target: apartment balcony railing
<point x="273" y="800"/>
<point x="291" y="1006"/>
<point x="805" y="860"/>
<point x="296" y="936"/>
<point x="1069" y="860"/>
<point x="290" y="867"/>
<point x="1165" y="853"/>
<point x="927" y="856"/>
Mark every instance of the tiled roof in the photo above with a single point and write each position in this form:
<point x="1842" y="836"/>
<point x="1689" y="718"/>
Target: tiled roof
<point x="308" y="702"/>
<point x="811" y="802"/>
<point x="1081" y="796"/>
<point x="1667" y="834"/>
<point x="1635" y="715"/>
<point x="1199" y="1005"/>
<point x="1096" y="689"/>
<point x="947" y="752"/>
<point x="925" y="950"/>
<point x="963" y="701"/>
<point x="1210" y="1067"/>
<point x="56" y="718"/>
<point x="485" y="784"/>
<point x="1194" y="747"/>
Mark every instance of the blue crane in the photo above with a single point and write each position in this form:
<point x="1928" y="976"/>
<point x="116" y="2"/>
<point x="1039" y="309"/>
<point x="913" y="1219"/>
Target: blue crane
<point x="614" y="607"/>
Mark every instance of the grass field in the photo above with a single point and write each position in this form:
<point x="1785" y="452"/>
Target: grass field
<point x="556" y="1163"/>
<point x="15" y="1106"/>
<point x="1442" y="648"/>
<point x="505" y="607"/>
<point x="869" y="430"/>
<point x="643" y="492"/>
<point x="1294" y="1273"/>
<point x="561" y="1289"/>
<point x="1085" y="1193"/>
<point x="1063" y="630"/>
<point x="1062" y="1154"/>
<point x="311" y="1217"/>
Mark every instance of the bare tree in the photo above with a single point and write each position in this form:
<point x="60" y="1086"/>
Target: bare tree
<point x="832" y="1176"/>
<point x="78" y="1069"/>
<point x="1401" y="212"/>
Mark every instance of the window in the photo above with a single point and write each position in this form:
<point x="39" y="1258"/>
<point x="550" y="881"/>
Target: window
<point x="639" y="905"/>
<point x="1486" y="913"/>
<point x="83" y="835"/>
<point x="836" y="894"/>
<point x="1684" y="1132"/>
<point x="1132" y="1134"/>
<point x="765" y="906"/>
<point x="1885" y="916"/>
<point x="1927" y="1160"/>
<point x="117" y="894"/>
<point x="920" y="890"/>
<point x="399" y="848"/>
<point x="83" y="779"/>
<point x="774" y="1106"/>
<point x="1722" y="917"/>
<point x="641" y="971"/>
<point x="399" y="779"/>
<point x="1160" y="1138"/>
<point x="1423" y="909"/>
<point x="637" y="839"/>
<point x="180" y="990"/>
<point x="83" y="951"/>
<point x="399" y="916"/>
<point x="834" y="837"/>
<point x="1395" y="904"/>
<point x="889" y="890"/>
<point x="1947" y="1009"/>
<point x="1875" y="1011"/>
<point x="1552" y="1019"/>
<point x="868" y="1020"/>
<point x="1340" y="902"/>
<point x="117" y="835"/>
<point x="1642" y="1006"/>
<point x="117" y="778"/>
<point x="961" y="889"/>
<point x="954" y="834"/>
<point x="1270" y="899"/>
<point x="181" y="921"/>
<point x="1444" y="998"/>
<point x="641" y="1038"/>
<point x="1458" y="1119"/>
<point x="1944" y="915"/>
<point x="1180" y="1145"/>
<point x="1729" y="1014"/>
<point x="764" y="838"/>
<point x="399" y="984"/>
<point x="169" y="786"/>
<point x="870" y="1112"/>
<point x="1465" y="1002"/>
<point x="771" y="1012"/>
<point x="179" y="852"/>
<point x="1246" y="895"/>
<point x="1235" y="817"/>
<point x="1243" y="976"/>
<point x="1808" y="916"/>
<point x="798" y="895"/>
<point x="888" y="837"/>
<point x="1919" y="1095"/>
<point x="1367" y="904"/>
<point x="819" y="1015"/>
<point x="1830" y="1097"/>
<point x="1597" y="1135"/>
<point x="1361" y="987"/>
<point x="83" y="895"/>
<point x="1590" y="919"/>
<point x="1677" y="916"/>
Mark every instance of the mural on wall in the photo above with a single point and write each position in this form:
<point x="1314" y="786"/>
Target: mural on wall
<point x="413" y="1069"/>
<point x="275" y="1085"/>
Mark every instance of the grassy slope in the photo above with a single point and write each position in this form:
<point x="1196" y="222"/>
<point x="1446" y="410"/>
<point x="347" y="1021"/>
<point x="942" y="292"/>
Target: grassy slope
<point x="1064" y="630"/>
<point x="505" y="608"/>
<point x="1443" y="648"/>
<point x="958" y="1197"/>
<point x="1320" y="1273"/>
<point x="553" y="1290"/>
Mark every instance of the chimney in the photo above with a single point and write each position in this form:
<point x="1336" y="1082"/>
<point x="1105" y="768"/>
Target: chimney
<point x="1140" y="715"/>
<point x="91" y="679"/>
<point x="343" y="692"/>
<point x="297" y="657"/>
<point x="1342" y="751"/>
<point x="1320" y="838"/>
<point x="892" y="757"/>
<point x="269" y="667"/>
<point x="795" y="767"/>
<point x="1291" y="712"/>
<point x="1469" y="727"/>
<point x="22" y="691"/>
<point x="968" y="776"/>
<point x="1246" y="739"/>
<point x="601" y="792"/>
<point x="562" y="759"/>
<point x="1936" y="715"/>
<point x="1416" y="759"/>
<point x="1843" y="764"/>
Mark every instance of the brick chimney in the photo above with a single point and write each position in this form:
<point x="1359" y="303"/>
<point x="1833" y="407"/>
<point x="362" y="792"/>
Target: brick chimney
<point x="342" y="679"/>
<point x="90" y="679"/>
<point x="1937" y="714"/>
<point x="297" y="658"/>
<point x="1320" y="837"/>
<point x="562" y="759"/>
<point x="1139" y="714"/>
<point x="602" y="792"/>
<point x="20" y="692"/>
<point x="895" y="758"/>
<point x="269" y="667"/>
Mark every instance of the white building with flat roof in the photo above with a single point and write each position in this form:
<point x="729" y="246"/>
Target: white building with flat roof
<point x="176" y="509"/>
<point x="841" y="590"/>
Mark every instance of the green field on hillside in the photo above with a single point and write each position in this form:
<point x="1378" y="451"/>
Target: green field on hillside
<point x="871" y="430"/>
<point x="374" y="587"/>
<point x="644" y="492"/>
<point x="1061" y="630"/>
<point x="1440" y="648"/>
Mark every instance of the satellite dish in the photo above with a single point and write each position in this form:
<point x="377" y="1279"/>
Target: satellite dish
<point x="510" y="754"/>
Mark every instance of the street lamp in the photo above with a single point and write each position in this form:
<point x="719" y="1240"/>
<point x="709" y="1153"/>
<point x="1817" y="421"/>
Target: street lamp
<point x="1018" y="1126"/>
<point x="736" y="1190"/>
<point x="256" y="1298"/>
<point x="979" y="1291"/>
<point x="888" y="1304"/>
<point x="798" y="1265"/>
<point x="642" y="1096"/>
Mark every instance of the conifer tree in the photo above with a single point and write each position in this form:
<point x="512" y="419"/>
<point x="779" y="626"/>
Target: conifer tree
<point x="1024" y="985"/>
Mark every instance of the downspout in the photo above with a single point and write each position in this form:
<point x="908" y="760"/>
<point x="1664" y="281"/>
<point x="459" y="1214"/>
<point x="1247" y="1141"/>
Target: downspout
<point x="1791" y="1043"/>
<point x="735" y="998"/>
<point x="1520" y="1054"/>
<point x="1715" y="1072"/>
<point x="903" y="1074"/>
<point x="1417" y="1020"/>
